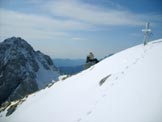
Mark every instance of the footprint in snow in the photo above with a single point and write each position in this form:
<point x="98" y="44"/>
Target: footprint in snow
<point x="137" y="59"/>
<point x="126" y="67"/>
<point x="142" y="56"/>
<point x="96" y="102"/>
<point x="89" y="112"/>
<point x="145" y="51"/>
<point x="104" y="95"/>
<point x="112" y="84"/>
<point x="122" y="73"/>
<point x="135" y="62"/>
<point x="116" y="78"/>
<point x="79" y="120"/>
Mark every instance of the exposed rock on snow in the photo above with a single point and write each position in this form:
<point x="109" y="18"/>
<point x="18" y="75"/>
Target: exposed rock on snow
<point x="104" y="79"/>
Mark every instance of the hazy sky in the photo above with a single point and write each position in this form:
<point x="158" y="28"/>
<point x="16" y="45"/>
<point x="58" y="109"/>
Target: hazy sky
<point x="72" y="28"/>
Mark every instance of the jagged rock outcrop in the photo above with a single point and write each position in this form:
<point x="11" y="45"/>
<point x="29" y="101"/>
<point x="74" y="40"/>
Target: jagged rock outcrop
<point x="23" y="70"/>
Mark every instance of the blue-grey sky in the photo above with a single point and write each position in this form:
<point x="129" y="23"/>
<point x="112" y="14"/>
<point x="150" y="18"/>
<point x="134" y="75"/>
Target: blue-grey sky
<point x="72" y="28"/>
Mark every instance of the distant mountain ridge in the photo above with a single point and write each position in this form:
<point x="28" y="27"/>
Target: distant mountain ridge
<point x="71" y="70"/>
<point x="69" y="66"/>
<point x="60" y="62"/>
<point x="22" y="69"/>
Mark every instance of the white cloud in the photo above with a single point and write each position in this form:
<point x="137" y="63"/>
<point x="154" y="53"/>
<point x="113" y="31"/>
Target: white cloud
<point x="78" y="39"/>
<point x="32" y="26"/>
<point x="66" y="16"/>
<point x="92" y="14"/>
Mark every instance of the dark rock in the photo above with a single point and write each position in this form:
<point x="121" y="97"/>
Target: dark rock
<point x="11" y="110"/>
<point x="104" y="79"/>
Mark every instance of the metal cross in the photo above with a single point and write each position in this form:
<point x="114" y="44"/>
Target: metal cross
<point x="147" y="32"/>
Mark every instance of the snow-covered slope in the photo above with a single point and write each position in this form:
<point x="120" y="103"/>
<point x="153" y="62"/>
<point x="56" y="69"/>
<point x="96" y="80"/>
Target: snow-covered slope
<point x="126" y="87"/>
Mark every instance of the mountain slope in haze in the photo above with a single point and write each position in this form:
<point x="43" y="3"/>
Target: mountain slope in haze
<point x="71" y="70"/>
<point x="23" y="70"/>
<point x="68" y="62"/>
<point x="69" y="66"/>
<point x="126" y="87"/>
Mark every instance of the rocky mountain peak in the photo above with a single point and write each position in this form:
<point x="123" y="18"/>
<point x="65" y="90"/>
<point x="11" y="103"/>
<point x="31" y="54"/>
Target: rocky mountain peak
<point x="21" y="68"/>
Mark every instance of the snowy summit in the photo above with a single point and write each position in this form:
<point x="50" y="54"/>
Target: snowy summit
<point x="126" y="87"/>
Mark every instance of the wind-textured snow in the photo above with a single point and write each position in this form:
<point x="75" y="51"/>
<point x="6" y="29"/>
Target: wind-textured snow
<point x="126" y="87"/>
